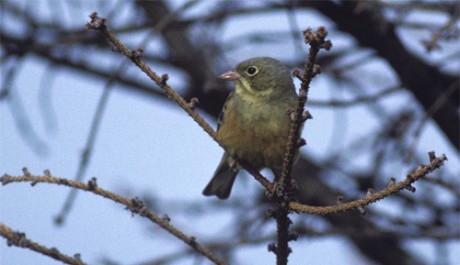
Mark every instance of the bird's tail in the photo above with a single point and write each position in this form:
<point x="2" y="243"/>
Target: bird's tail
<point x="222" y="181"/>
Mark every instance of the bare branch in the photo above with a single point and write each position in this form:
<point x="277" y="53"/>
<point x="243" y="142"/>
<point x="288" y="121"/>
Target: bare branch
<point x="20" y="240"/>
<point x="420" y="172"/>
<point x="135" y="205"/>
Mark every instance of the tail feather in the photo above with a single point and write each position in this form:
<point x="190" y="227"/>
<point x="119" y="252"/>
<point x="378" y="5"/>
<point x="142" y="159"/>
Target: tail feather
<point x="222" y="181"/>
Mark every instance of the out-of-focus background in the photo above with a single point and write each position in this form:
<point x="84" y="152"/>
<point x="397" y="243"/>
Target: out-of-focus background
<point x="388" y="93"/>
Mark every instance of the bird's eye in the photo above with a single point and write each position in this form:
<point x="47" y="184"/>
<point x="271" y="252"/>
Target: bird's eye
<point x="252" y="70"/>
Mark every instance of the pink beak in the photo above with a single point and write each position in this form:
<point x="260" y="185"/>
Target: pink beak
<point x="230" y="75"/>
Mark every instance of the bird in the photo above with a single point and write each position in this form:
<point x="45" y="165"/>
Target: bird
<point x="254" y="123"/>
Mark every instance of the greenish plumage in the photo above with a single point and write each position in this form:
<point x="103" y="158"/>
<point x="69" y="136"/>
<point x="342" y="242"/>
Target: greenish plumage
<point x="254" y="123"/>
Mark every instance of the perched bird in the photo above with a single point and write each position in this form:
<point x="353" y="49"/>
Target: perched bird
<point x="254" y="123"/>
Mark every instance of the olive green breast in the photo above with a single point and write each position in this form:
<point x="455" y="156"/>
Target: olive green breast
<point x="256" y="131"/>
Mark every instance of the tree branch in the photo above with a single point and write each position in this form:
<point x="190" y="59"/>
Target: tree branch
<point x="417" y="174"/>
<point x="20" y="240"/>
<point x="135" y="205"/>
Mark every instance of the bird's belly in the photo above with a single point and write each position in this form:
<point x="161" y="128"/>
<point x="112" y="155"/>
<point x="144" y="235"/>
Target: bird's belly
<point x="261" y="147"/>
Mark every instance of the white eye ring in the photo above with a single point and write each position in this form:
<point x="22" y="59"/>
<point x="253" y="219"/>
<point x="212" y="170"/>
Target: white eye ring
<point x="252" y="70"/>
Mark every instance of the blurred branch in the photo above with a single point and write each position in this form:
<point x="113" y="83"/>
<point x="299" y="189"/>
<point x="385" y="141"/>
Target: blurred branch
<point x="365" y="22"/>
<point x="446" y="6"/>
<point x="406" y="233"/>
<point x="90" y="69"/>
<point x="433" y="42"/>
<point x="436" y="105"/>
<point x="455" y="189"/>
<point x="88" y="149"/>
<point x="9" y="93"/>
<point x="356" y="101"/>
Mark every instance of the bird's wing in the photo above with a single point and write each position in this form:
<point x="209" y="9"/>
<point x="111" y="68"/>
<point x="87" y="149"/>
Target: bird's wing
<point x="221" y="118"/>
